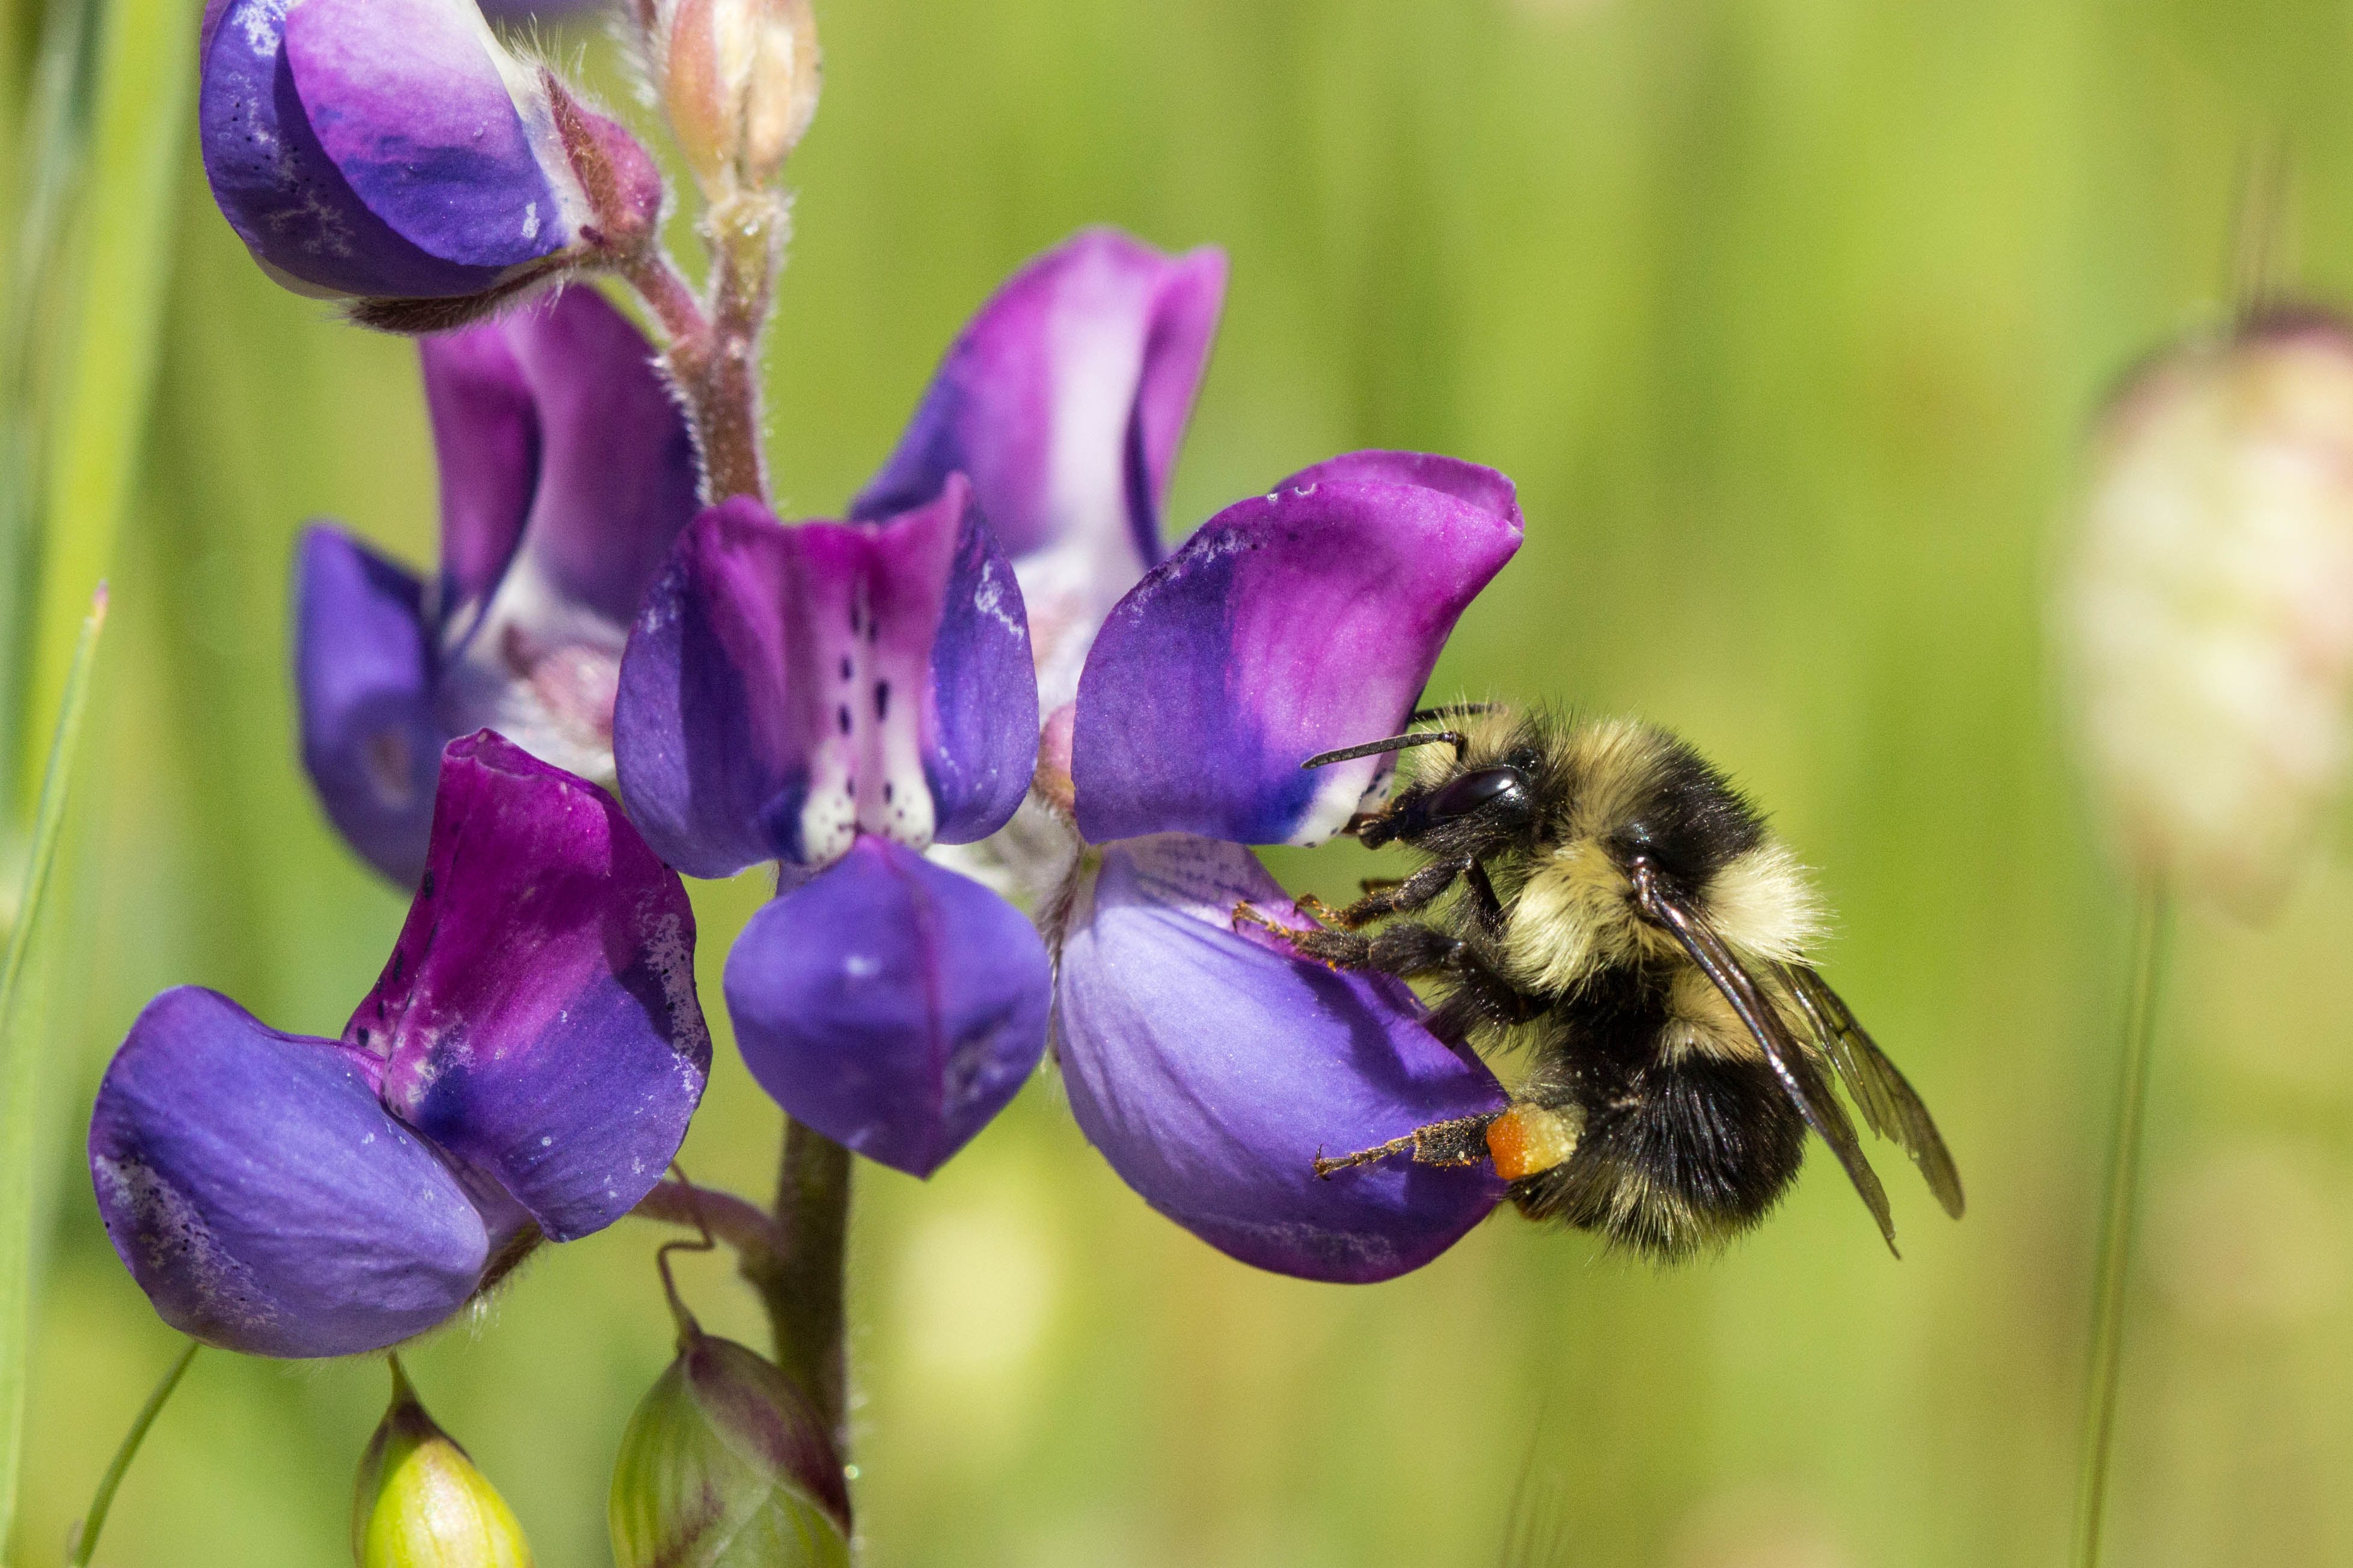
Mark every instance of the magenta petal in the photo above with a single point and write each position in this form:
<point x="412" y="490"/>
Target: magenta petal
<point x="1289" y="625"/>
<point x="788" y="688"/>
<point x="263" y="1198"/>
<point x="1211" y="1069"/>
<point x="538" y="1016"/>
<point x="363" y="680"/>
<point x="1064" y="401"/>
<point x="891" y="1004"/>
<point x="1483" y="488"/>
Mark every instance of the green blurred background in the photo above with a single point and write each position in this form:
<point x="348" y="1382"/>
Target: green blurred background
<point x="1786" y="315"/>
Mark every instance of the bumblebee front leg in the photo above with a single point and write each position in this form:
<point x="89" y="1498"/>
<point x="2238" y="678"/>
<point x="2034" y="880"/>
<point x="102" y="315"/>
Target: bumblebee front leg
<point x="1384" y="899"/>
<point x="1403" y="948"/>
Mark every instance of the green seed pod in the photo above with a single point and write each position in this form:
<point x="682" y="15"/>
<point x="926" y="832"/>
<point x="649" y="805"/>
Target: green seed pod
<point x="422" y="1504"/>
<point x="726" y="1466"/>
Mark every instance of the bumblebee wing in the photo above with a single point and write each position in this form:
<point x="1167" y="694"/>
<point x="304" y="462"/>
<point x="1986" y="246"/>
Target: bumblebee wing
<point x="1889" y="1104"/>
<point x="1799" y="1078"/>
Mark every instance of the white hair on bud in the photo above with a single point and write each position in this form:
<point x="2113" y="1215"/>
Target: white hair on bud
<point x="2207" y="612"/>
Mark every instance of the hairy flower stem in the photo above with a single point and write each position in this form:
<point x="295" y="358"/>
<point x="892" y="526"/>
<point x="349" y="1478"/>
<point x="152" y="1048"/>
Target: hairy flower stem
<point x="713" y="352"/>
<point x="2152" y="937"/>
<point x="85" y="1538"/>
<point x="802" y="1285"/>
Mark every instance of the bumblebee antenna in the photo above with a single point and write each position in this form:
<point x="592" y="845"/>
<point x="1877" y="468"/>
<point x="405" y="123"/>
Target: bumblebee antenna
<point x="1394" y="743"/>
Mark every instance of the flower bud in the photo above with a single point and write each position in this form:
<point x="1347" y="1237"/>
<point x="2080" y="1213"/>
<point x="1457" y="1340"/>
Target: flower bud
<point x="726" y="1466"/>
<point x="740" y="80"/>
<point x="422" y="1504"/>
<point x="395" y="154"/>
<point x="2209" y="606"/>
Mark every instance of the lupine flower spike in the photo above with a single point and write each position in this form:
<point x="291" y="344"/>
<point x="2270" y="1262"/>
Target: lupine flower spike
<point x="524" y="1070"/>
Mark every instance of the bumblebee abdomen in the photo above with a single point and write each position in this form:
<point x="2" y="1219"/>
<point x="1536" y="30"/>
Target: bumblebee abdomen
<point x="1691" y="1153"/>
<point x="1678" y="1150"/>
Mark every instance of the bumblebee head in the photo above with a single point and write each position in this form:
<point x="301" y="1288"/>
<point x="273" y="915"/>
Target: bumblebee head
<point x="1497" y="802"/>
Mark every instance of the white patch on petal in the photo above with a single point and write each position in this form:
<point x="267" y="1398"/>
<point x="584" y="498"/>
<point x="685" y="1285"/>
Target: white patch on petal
<point x="175" y="1240"/>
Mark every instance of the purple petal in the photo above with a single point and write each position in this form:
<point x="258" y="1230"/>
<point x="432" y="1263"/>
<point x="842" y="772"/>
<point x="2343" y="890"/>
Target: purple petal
<point x="617" y="481"/>
<point x="1211" y="1069"/>
<point x="538" y="1016"/>
<point x="443" y="182"/>
<point x="407" y="99"/>
<point x="788" y="688"/>
<point x="261" y="1196"/>
<point x="611" y="486"/>
<point x="1064" y="400"/>
<point x="363" y="680"/>
<point x="1292" y="624"/>
<point x="891" y="1004"/>
<point x="485" y="444"/>
<point x="1483" y="488"/>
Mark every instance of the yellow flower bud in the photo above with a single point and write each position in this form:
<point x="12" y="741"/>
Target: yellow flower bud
<point x="739" y="78"/>
<point x="421" y="1504"/>
<point x="2209" y="609"/>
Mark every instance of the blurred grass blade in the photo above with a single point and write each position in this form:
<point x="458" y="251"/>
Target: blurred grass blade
<point x="55" y="130"/>
<point x="2152" y="945"/>
<point x="20" y="1065"/>
<point x="84" y="1540"/>
<point x="106" y="362"/>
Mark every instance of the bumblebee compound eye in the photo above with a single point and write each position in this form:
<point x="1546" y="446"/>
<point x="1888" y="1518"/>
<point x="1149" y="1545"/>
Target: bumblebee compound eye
<point x="1502" y="793"/>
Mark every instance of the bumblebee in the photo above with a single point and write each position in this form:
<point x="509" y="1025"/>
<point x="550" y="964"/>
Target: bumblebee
<point x="1595" y="889"/>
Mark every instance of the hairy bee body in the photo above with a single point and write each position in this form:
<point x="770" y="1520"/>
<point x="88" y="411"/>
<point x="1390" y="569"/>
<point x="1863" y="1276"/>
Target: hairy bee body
<point x="1595" y="891"/>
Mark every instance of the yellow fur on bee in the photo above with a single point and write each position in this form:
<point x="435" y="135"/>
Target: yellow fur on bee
<point x="1765" y="907"/>
<point x="1572" y="917"/>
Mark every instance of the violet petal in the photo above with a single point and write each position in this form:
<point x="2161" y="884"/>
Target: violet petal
<point x="1291" y="623"/>
<point x="1064" y="401"/>
<point x="538" y="1016"/>
<point x="263" y="1198"/>
<point x="786" y="688"/>
<point x="616" y="480"/>
<point x="891" y="1004"/>
<point x="612" y="485"/>
<point x="407" y="99"/>
<point x="432" y="135"/>
<point x="1211" y="1069"/>
<point x="363" y="680"/>
<point x="486" y="446"/>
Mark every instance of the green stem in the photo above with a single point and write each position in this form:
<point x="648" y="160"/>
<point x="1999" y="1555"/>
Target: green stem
<point x="801" y="1285"/>
<point x="2152" y="939"/>
<point x="86" y="1538"/>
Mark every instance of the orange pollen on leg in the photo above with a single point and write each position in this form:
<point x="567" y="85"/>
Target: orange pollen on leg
<point x="1528" y="1138"/>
